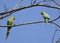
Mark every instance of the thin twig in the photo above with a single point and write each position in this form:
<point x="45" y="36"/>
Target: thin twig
<point x="55" y="2"/>
<point x="31" y="2"/>
<point x="17" y="9"/>
<point x="55" y="24"/>
<point x="8" y="14"/>
<point x="56" y="18"/>
<point x="19" y="2"/>
<point x="27" y="23"/>
<point x="54" y="36"/>
<point x="58" y="41"/>
<point x="5" y="8"/>
<point x="34" y="2"/>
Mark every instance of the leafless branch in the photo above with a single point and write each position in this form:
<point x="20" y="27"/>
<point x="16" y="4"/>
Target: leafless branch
<point x="31" y="2"/>
<point x="55" y="2"/>
<point x="8" y="14"/>
<point x="53" y="22"/>
<point x="58" y="40"/>
<point x="29" y="7"/>
<point x="5" y="8"/>
<point x="19" y="2"/>
<point x="56" y="18"/>
<point x="25" y="7"/>
<point x="27" y="23"/>
<point x="54" y="36"/>
<point x="34" y="1"/>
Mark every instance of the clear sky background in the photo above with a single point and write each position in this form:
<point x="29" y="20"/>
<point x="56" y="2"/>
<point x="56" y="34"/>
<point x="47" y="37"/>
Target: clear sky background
<point x="33" y="33"/>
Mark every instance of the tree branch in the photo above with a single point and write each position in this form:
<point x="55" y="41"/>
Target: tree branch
<point x="8" y="14"/>
<point x="55" y="24"/>
<point x="27" y="23"/>
<point x="54" y="36"/>
<point x="19" y="2"/>
<point x="5" y="8"/>
<point x="56" y="18"/>
<point x="34" y="2"/>
<point x="58" y="41"/>
<point x="25" y="7"/>
<point x="55" y="2"/>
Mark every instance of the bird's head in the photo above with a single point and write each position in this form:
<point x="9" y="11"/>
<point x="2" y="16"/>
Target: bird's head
<point x="42" y="13"/>
<point x="13" y="17"/>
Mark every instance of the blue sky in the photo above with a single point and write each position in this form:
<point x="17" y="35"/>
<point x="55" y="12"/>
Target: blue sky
<point x="33" y="33"/>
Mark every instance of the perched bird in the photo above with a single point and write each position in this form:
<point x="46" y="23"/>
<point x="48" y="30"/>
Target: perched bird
<point x="9" y="22"/>
<point x="45" y="16"/>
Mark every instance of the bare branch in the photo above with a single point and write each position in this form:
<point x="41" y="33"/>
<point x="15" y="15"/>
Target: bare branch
<point x="56" y="18"/>
<point x="55" y="2"/>
<point x="5" y="15"/>
<point x="31" y="2"/>
<point x="17" y="9"/>
<point x="34" y="2"/>
<point x="5" y="8"/>
<point x="58" y="41"/>
<point x="55" y="24"/>
<point x="54" y="35"/>
<point x="27" y="23"/>
<point x="19" y="2"/>
<point x="8" y="14"/>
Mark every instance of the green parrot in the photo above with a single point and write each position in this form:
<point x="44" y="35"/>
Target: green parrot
<point x="9" y="22"/>
<point x="45" y="16"/>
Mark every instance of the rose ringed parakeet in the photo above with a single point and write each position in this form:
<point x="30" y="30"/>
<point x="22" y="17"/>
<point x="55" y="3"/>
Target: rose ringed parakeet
<point x="9" y="22"/>
<point x="45" y="16"/>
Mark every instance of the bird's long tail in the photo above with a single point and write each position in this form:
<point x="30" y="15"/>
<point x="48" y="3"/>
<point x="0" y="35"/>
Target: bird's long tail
<point x="8" y="31"/>
<point x="46" y="21"/>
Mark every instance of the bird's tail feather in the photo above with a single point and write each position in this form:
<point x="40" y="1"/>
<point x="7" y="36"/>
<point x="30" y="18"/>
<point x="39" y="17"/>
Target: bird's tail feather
<point x="8" y="31"/>
<point x="46" y="21"/>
